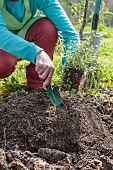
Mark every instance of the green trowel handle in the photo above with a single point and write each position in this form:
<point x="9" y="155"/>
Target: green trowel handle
<point x="96" y="14"/>
<point x="49" y="89"/>
<point x="95" y="21"/>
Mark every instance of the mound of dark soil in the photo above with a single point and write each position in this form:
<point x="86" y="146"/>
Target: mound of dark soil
<point x="34" y="135"/>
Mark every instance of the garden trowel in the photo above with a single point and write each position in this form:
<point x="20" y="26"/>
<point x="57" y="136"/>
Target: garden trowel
<point x="54" y="95"/>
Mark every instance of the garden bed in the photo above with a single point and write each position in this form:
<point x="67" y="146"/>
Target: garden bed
<point x="34" y="135"/>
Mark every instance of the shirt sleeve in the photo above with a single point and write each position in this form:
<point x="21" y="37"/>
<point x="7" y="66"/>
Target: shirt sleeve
<point x="53" y="10"/>
<point x="17" y="46"/>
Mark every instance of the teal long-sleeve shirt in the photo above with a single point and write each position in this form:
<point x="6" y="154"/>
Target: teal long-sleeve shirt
<point x="21" y="48"/>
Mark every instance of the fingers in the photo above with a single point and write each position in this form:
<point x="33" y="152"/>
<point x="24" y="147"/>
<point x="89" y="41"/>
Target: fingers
<point x="47" y="75"/>
<point x="44" y="73"/>
<point x="42" y="70"/>
<point x="48" y="79"/>
<point x="44" y="67"/>
<point x="42" y="61"/>
<point x="39" y="66"/>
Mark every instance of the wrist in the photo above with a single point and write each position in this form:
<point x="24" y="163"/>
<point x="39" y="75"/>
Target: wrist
<point x="38" y="55"/>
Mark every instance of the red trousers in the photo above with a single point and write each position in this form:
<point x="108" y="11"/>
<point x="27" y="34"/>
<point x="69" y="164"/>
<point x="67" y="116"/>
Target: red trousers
<point x="44" y="34"/>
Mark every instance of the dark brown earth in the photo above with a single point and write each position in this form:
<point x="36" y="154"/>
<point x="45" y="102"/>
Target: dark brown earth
<point x="34" y="135"/>
<point x="72" y="78"/>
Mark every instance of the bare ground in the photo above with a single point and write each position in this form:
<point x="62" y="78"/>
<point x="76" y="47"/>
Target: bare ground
<point x="34" y="135"/>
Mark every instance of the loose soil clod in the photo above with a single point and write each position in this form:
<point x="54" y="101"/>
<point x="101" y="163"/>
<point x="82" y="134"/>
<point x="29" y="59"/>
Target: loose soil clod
<point x="34" y="135"/>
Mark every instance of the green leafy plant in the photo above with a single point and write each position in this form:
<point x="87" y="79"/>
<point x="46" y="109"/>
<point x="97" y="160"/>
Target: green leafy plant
<point x="15" y="82"/>
<point x="81" y="61"/>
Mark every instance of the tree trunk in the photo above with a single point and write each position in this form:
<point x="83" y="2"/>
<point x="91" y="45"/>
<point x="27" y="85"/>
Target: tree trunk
<point x="84" y="19"/>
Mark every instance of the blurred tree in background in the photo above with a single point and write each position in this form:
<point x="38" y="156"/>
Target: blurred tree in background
<point x="75" y="10"/>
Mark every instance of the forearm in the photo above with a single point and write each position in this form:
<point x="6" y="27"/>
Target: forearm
<point x="17" y="46"/>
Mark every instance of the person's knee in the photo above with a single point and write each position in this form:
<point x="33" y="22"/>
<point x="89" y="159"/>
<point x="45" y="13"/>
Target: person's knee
<point x="42" y="29"/>
<point x="50" y="29"/>
<point x="7" y="68"/>
<point x="44" y="34"/>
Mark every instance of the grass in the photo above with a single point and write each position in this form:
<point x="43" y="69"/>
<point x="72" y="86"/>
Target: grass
<point x="106" y="59"/>
<point x="17" y="81"/>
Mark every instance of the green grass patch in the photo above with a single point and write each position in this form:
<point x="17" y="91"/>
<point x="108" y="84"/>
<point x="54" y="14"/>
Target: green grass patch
<point x="106" y="59"/>
<point x="15" y="82"/>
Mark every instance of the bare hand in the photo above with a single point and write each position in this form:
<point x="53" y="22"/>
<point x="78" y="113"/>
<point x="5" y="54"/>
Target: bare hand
<point x="44" y="67"/>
